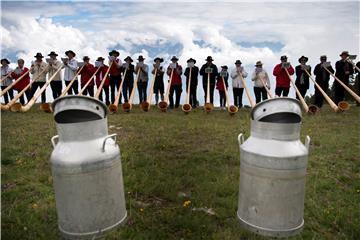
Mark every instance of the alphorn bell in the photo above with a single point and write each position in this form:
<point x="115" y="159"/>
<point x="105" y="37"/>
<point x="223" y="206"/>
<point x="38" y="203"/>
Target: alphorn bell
<point x="357" y="98"/>
<point x="99" y="90"/>
<point x="187" y="107"/>
<point x="164" y="104"/>
<point x="331" y="103"/>
<point x="312" y="109"/>
<point x="208" y="105"/>
<point x="88" y="82"/>
<point x="145" y="106"/>
<point x="232" y="109"/>
<point x="126" y="107"/>
<point x="36" y="96"/>
<point x="13" y="102"/>
<point x="114" y="107"/>
<point x="251" y="100"/>
<point x="13" y="83"/>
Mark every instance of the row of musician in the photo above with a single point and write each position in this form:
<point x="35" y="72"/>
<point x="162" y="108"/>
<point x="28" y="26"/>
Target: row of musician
<point x="118" y="75"/>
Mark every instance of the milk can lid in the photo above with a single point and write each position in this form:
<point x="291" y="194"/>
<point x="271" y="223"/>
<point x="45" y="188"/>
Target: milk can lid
<point x="277" y="110"/>
<point x="74" y="109"/>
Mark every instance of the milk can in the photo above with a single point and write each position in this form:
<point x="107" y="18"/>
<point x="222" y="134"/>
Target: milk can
<point x="86" y="169"/>
<point x="272" y="170"/>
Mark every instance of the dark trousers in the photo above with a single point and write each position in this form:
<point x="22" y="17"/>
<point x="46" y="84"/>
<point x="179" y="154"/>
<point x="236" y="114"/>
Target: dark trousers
<point x="212" y="87"/>
<point x="37" y="85"/>
<point x="74" y="87"/>
<point x="339" y="93"/>
<point x="127" y="88"/>
<point x="142" y="86"/>
<point x="56" y="87"/>
<point x="8" y="94"/>
<point x="302" y="89"/>
<point x="283" y="90"/>
<point x="193" y="99"/>
<point x="319" y="98"/>
<point x="238" y="94"/>
<point x="89" y="90"/>
<point x="106" y="90"/>
<point x="177" y="89"/>
<point x="222" y="98"/>
<point x="28" y="96"/>
<point x="114" y="86"/>
<point x="260" y="92"/>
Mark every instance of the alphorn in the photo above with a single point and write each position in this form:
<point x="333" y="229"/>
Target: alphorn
<point x="35" y="97"/>
<point x="187" y="107"/>
<point x="251" y="100"/>
<point x="114" y="107"/>
<point x="126" y="107"/>
<point x="13" y="83"/>
<point x="145" y="106"/>
<point x="350" y="61"/>
<point x="99" y="90"/>
<point x="331" y="103"/>
<point x="71" y="82"/>
<point x="3" y="79"/>
<point x="13" y="101"/>
<point x="208" y="105"/>
<point x="312" y="109"/>
<point x="267" y="89"/>
<point x="232" y="109"/>
<point x="88" y="82"/>
<point x="357" y="98"/>
<point x="164" y="104"/>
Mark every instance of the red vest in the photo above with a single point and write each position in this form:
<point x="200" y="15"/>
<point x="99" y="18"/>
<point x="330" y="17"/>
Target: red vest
<point x="23" y="82"/>
<point x="282" y="79"/>
<point x="114" y="70"/>
<point x="86" y="73"/>
<point x="102" y="74"/>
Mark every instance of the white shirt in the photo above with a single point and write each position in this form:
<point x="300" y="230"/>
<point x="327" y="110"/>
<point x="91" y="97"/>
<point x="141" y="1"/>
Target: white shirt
<point x="70" y="70"/>
<point x="259" y="78"/>
<point x="56" y="64"/>
<point x="4" y="72"/>
<point x="38" y="73"/>
<point x="236" y="80"/>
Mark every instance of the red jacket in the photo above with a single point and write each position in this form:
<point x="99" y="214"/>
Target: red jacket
<point x="23" y="82"/>
<point x="100" y="74"/>
<point x="282" y="79"/>
<point x="86" y="73"/>
<point x="114" y="70"/>
<point x="220" y="84"/>
<point x="176" y="78"/>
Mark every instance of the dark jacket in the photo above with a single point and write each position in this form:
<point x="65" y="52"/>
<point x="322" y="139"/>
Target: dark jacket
<point x="358" y="65"/>
<point x="341" y="67"/>
<point x="213" y="75"/>
<point x="129" y="77"/>
<point x="299" y="71"/>
<point x="322" y="77"/>
<point x="194" y="75"/>
<point x="159" y="78"/>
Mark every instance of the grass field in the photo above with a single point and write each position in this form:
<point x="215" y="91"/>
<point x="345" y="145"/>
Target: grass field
<point x="171" y="158"/>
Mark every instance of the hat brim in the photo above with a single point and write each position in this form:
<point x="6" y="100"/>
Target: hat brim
<point x="67" y="53"/>
<point x="39" y="56"/>
<point x="5" y="60"/>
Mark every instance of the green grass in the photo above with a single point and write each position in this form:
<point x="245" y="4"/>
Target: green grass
<point x="169" y="158"/>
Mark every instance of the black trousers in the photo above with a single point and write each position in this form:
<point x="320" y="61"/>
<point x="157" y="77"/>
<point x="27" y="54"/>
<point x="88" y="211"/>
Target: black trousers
<point x="222" y="98"/>
<point x="127" y="88"/>
<point x="106" y="90"/>
<point x="177" y="89"/>
<point x="74" y="87"/>
<point x="238" y="94"/>
<point x="212" y="88"/>
<point x="142" y="86"/>
<point x="56" y="87"/>
<point x="37" y="85"/>
<point x="89" y="90"/>
<point x="302" y="89"/>
<point x="8" y="94"/>
<point x="339" y="93"/>
<point x="283" y="90"/>
<point x="114" y="86"/>
<point x="192" y="97"/>
<point x="28" y="96"/>
<point x="260" y="92"/>
<point x="319" y="98"/>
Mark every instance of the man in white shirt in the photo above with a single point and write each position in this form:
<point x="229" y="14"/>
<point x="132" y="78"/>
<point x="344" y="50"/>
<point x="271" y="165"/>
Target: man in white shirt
<point x="143" y="78"/>
<point x="260" y="77"/>
<point x="71" y="68"/>
<point x="238" y="86"/>
<point x="5" y="73"/>
<point x="39" y="70"/>
<point x="56" y="84"/>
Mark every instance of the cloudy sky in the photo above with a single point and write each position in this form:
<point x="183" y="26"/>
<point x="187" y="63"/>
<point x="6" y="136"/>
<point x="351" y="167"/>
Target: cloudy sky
<point x="249" y="31"/>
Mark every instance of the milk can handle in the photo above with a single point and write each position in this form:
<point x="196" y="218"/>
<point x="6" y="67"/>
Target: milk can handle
<point x="54" y="140"/>
<point x="241" y="138"/>
<point x="307" y="142"/>
<point x="113" y="136"/>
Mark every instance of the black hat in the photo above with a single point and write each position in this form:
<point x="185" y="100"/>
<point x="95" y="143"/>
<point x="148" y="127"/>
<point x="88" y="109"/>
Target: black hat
<point x="258" y="63"/>
<point x="284" y="57"/>
<point x="39" y="55"/>
<point x="238" y="62"/>
<point x="70" y="51"/>
<point x="160" y="59"/>
<point x="141" y="58"/>
<point x="209" y="58"/>
<point x="86" y="58"/>
<point x="100" y="59"/>
<point x="128" y="58"/>
<point x="5" y="60"/>
<point x="303" y="57"/>
<point x="52" y="53"/>
<point x="323" y="57"/>
<point x="114" y="52"/>
<point x="174" y="58"/>
<point x="191" y="60"/>
<point x="224" y="67"/>
<point x="344" y="53"/>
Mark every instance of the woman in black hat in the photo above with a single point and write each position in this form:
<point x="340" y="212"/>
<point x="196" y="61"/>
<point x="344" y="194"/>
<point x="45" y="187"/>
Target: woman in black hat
<point x="214" y="72"/>
<point x="223" y="75"/>
<point x="343" y="71"/>
<point x="194" y="80"/>
<point x="128" y="78"/>
<point x="159" y="80"/>
<point x="175" y="82"/>
<point x="39" y="70"/>
<point x="55" y="84"/>
<point x="6" y="75"/>
<point x="302" y="78"/>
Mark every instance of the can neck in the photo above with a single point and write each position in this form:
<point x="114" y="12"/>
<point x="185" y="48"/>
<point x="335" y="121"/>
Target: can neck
<point x="276" y="131"/>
